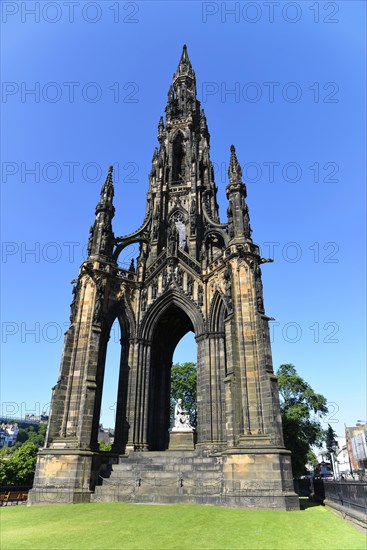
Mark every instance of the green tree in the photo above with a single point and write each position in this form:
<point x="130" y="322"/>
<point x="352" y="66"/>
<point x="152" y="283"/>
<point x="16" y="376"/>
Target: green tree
<point x="35" y="434"/>
<point x="312" y="459"/>
<point x="330" y="441"/>
<point x="301" y="410"/>
<point x="5" y="451"/>
<point x="23" y="435"/>
<point x="105" y="446"/>
<point x="42" y="429"/>
<point x="19" y="467"/>
<point x="183" y="385"/>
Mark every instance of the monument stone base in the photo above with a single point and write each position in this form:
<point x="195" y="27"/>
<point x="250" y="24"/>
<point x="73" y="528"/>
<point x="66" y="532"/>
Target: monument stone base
<point x="181" y="441"/>
<point x="62" y="477"/>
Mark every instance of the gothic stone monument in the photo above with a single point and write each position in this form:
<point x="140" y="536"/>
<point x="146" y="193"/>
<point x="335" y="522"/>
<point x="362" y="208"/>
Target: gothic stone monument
<point x="193" y="273"/>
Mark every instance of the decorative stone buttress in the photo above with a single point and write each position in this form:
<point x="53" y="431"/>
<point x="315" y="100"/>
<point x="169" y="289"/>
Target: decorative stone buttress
<point x="193" y="273"/>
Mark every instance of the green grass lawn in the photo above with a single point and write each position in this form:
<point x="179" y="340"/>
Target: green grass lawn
<point x="144" y="527"/>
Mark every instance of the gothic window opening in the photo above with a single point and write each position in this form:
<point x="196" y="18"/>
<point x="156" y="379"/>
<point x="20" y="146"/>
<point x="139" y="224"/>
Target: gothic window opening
<point x="179" y="160"/>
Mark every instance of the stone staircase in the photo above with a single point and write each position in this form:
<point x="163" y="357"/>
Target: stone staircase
<point x="163" y="477"/>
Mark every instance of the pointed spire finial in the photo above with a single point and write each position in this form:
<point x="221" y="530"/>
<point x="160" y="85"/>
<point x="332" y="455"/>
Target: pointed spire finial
<point x="107" y="191"/>
<point x="184" y="56"/>
<point x="101" y="238"/>
<point x="234" y="170"/>
<point x="184" y="66"/>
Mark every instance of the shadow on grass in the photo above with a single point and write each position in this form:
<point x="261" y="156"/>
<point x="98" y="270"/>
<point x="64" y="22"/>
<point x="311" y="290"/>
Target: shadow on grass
<point x="305" y="503"/>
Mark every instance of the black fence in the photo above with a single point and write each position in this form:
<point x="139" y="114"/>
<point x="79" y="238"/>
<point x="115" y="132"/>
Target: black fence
<point x="348" y="494"/>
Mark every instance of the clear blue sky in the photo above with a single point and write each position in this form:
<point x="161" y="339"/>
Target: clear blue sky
<point x="296" y="116"/>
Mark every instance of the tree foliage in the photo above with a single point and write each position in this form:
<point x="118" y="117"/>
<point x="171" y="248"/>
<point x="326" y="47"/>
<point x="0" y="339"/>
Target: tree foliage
<point x="35" y="434"/>
<point x="19" y="467"/>
<point x="330" y="441"/>
<point x="18" y="463"/>
<point x="301" y="410"/>
<point x="5" y="451"/>
<point x="103" y="446"/>
<point x="183" y="385"/>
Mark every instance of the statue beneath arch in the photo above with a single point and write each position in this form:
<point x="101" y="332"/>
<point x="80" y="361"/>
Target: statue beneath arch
<point x="181" y="419"/>
<point x="193" y="273"/>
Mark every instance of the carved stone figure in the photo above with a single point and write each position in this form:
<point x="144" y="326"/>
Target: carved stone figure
<point x="228" y="289"/>
<point x="200" y="296"/>
<point x="190" y="285"/>
<point x="90" y="240"/>
<point x="246" y="221"/>
<point x="178" y="275"/>
<point x="193" y="217"/>
<point x="156" y="225"/>
<point x="172" y="240"/>
<point x="182" y="419"/>
<point x="259" y="290"/>
<point x="97" y="315"/>
<point x="230" y="222"/>
<point x="143" y="299"/>
<point x="104" y="240"/>
<point x="154" y="289"/>
<point x="166" y="278"/>
<point x="73" y="303"/>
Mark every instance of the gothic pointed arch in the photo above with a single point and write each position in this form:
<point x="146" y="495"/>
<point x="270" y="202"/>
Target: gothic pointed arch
<point x="178" y="133"/>
<point x="218" y="312"/>
<point x="120" y="309"/>
<point x="178" y="214"/>
<point x="172" y="297"/>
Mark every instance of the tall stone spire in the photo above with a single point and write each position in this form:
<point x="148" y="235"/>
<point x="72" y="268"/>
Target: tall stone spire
<point x="234" y="170"/>
<point x="182" y="184"/>
<point x="184" y="68"/>
<point x="101" y="236"/>
<point x="182" y="102"/>
<point x="237" y="212"/>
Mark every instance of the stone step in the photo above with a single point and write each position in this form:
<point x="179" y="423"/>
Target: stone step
<point x="163" y="454"/>
<point x="164" y="488"/>
<point x="177" y="476"/>
<point x="167" y="456"/>
<point x="151" y="478"/>
<point x="165" y="467"/>
<point x="162" y="499"/>
<point x="171" y="464"/>
<point x="205" y="477"/>
<point x="193" y="461"/>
